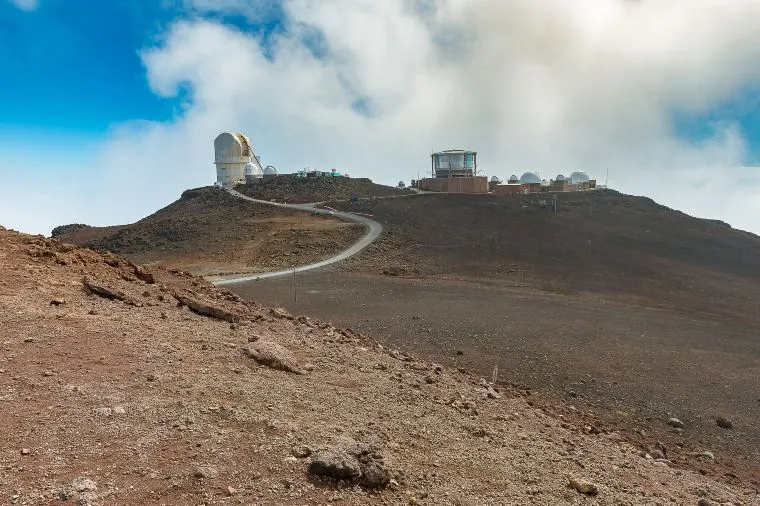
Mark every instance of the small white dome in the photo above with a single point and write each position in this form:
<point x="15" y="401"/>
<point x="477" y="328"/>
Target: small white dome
<point x="251" y="169"/>
<point x="579" y="177"/>
<point x="270" y="170"/>
<point x="530" y="178"/>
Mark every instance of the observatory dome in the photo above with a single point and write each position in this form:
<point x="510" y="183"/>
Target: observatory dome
<point x="270" y="170"/>
<point x="530" y="178"/>
<point x="561" y="178"/>
<point x="251" y="169"/>
<point x="579" y="177"/>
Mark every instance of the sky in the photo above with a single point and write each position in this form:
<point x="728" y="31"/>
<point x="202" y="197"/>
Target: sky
<point x="108" y="110"/>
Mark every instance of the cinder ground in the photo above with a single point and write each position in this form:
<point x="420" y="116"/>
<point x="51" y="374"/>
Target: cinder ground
<point x="632" y="366"/>
<point x="209" y="232"/>
<point x="140" y="401"/>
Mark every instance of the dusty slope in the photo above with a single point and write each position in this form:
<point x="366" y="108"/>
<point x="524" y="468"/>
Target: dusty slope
<point x="289" y="188"/>
<point x="144" y="401"/>
<point x="209" y="232"/>
<point x="601" y="242"/>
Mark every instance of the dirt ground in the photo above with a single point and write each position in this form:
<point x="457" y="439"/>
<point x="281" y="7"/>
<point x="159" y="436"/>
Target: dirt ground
<point x="289" y="188"/>
<point x="120" y="385"/>
<point x="632" y="367"/>
<point x="602" y="242"/>
<point x="208" y="232"/>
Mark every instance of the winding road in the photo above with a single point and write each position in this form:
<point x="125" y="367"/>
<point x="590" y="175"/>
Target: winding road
<point x="373" y="232"/>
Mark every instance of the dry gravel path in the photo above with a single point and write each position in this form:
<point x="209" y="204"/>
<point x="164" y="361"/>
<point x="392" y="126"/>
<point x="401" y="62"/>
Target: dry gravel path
<point x="374" y="229"/>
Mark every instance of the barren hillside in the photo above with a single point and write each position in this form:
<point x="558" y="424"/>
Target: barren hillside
<point x="125" y="386"/>
<point x="207" y="231"/>
<point x="600" y="242"/>
<point x="289" y="188"/>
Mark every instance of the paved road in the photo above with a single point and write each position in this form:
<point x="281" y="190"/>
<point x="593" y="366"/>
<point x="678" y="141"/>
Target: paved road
<point x="373" y="232"/>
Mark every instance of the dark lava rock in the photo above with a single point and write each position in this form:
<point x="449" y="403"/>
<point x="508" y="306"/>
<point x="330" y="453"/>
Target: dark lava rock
<point x="724" y="423"/>
<point x="360" y="464"/>
<point x="336" y="465"/>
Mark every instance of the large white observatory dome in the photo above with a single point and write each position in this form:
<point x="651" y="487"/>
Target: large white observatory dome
<point x="579" y="177"/>
<point x="530" y="178"/>
<point x="270" y="171"/>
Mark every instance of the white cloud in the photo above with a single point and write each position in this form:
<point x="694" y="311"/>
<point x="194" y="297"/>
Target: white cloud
<point x="26" y="5"/>
<point x="575" y="84"/>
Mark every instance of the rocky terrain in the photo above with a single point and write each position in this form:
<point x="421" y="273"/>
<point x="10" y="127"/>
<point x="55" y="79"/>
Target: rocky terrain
<point x="209" y="232"/>
<point x="123" y="385"/>
<point x="289" y="188"/>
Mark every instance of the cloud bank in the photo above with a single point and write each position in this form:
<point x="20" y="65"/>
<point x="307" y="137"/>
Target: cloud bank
<point x="372" y="87"/>
<point x="25" y="5"/>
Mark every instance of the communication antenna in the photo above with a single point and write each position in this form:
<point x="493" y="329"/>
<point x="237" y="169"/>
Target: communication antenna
<point x="607" y="178"/>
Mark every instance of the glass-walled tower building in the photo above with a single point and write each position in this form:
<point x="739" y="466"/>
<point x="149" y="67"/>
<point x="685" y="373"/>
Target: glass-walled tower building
<point x="454" y="163"/>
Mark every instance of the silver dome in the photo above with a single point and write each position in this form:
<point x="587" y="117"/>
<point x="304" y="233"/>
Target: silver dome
<point x="251" y="169"/>
<point x="579" y="177"/>
<point x="530" y="178"/>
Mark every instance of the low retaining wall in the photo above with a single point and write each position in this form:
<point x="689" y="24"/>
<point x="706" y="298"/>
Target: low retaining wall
<point x="477" y="184"/>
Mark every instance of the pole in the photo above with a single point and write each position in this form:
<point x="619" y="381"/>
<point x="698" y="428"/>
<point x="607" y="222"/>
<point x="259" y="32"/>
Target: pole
<point x="295" y="287"/>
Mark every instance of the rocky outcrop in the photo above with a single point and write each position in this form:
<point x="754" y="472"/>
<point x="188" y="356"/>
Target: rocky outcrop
<point x="206" y="309"/>
<point x="273" y="355"/>
<point x="359" y="464"/>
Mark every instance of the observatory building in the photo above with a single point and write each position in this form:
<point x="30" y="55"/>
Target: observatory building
<point x="253" y="173"/>
<point x="455" y="171"/>
<point x="270" y="173"/>
<point x="531" y="182"/>
<point x="233" y="154"/>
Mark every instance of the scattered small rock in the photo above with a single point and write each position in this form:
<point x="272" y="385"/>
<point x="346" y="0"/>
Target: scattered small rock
<point x="359" y="464"/>
<point x="336" y="465"/>
<point x="676" y="423"/>
<point x="301" y="452"/>
<point x="83" y="484"/>
<point x="724" y="423"/>
<point x="25" y="451"/>
<point x="119" y="410"/>
<point x="493" y="394"/>
<point x="102" y="411"/>
<point x="273" y="355"/>
<point x="583" y="486"/>
<point x="705" y="502"/>
<point x="231" y="491"/>
<point x="58" y="302"/>
<point x="202" y="472"/>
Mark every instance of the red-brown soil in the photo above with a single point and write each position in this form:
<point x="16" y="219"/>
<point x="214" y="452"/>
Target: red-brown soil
<point x="208" y="232"/>
<point x="142" y="401"/>
<point x="633" y="367"/>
